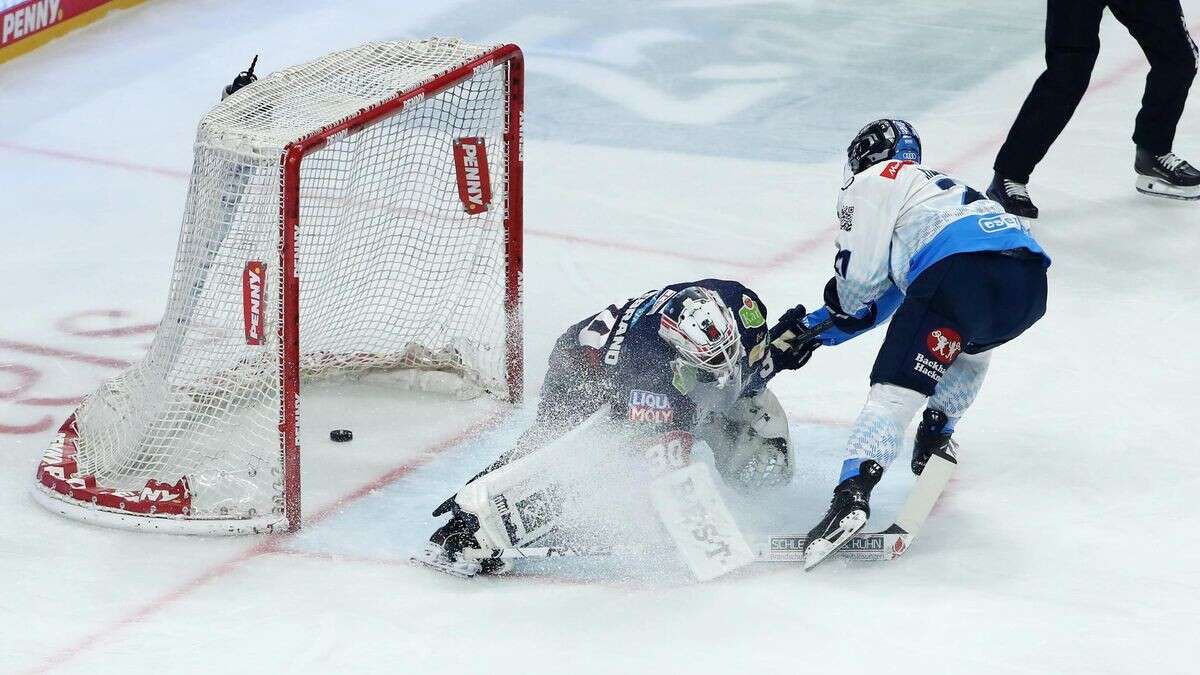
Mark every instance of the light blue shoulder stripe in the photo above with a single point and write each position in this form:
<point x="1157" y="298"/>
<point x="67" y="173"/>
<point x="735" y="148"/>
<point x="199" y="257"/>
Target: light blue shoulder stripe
<point x="970" y="234"/>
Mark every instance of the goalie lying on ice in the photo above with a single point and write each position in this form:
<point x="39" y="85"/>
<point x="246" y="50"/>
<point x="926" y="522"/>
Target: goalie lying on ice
<point x="688" y="360"/>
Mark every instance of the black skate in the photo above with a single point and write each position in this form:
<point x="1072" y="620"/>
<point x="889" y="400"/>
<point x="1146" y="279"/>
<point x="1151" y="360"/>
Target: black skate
<point x="848" y="513"/>
<point x="1013" y="196"/>
<point x="1166" y="176"/>
<point x="932" y="437"/>
<point x="448" y="546"/>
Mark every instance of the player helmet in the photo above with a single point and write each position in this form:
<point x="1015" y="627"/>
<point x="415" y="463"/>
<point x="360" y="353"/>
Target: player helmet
<point x="882" y="140"/>
<point x="701" y="328"/>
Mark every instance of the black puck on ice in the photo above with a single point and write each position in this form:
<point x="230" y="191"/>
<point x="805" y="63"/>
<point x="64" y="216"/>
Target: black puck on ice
<point x="341" y="435"/>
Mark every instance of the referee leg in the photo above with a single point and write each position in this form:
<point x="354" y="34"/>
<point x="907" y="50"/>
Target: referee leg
<point x="1160" y="30"/>
<point x="1072" y="44"/>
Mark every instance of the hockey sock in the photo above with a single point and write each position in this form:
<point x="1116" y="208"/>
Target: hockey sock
<point x="958" y="388"/>
<point x="880" y="426"/>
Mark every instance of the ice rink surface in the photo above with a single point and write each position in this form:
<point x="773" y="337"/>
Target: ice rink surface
<point x="665" y="141"/>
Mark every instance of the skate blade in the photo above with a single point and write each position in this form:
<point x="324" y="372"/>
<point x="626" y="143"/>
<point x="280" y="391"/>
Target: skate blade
<point x="820" y="549"/>
<point x="1158" y="188"/>
<point x="435" y="559"/>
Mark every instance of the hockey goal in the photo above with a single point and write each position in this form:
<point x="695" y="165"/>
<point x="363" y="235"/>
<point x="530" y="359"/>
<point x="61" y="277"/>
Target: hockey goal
<point x="356" y="215"/>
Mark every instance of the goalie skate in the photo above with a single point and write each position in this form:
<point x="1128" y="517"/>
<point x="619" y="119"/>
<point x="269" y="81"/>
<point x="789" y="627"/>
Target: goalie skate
<point x="435" y="557"/>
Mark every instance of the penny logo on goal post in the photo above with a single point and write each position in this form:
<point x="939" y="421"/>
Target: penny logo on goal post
<point x="254" y="282"/>
<point x="470" y="165"/>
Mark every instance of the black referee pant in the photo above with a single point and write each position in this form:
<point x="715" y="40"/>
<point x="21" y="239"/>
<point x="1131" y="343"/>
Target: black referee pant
<point x="1072" y="44"/>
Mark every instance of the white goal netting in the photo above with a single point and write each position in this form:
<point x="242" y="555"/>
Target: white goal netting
<point x="400" y="255"/>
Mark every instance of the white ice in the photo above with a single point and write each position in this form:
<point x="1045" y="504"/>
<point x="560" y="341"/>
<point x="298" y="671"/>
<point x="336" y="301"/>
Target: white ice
<point x="666" y="141"/>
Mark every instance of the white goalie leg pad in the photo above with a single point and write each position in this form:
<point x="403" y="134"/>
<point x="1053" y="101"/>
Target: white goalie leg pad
<point x="880" y="426"/>
<point x="752" y="443"/>
<point x="516" y="504"/>
<point x="519" y="502"/>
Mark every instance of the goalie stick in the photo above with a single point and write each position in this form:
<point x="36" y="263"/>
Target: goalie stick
<point x="888" y="544"/>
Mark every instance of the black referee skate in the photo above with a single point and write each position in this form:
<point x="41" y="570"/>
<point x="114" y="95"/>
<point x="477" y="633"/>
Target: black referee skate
<point x="1166" y="176"/>
<point x="848" y="513"/>
<point x="1013" y="196"/>
<point x="931" y="436"/>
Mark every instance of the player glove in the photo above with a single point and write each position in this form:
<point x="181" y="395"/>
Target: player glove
<point x="787" y="352"/>
<point x="844" y="321"/>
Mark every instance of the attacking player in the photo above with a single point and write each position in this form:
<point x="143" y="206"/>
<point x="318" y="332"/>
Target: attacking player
<point x="690" y="358"/>
<point x="965" y="277"/>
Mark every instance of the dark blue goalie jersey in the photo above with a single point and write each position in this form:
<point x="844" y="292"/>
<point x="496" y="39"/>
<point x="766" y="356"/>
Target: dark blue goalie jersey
<point x="647" y="385"/>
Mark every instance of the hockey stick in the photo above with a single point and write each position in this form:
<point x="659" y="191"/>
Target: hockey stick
<point x="787" y="338"/>
<point x="887" y="544"/>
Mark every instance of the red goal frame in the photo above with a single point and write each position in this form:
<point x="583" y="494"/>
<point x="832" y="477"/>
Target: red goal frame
<point x="289" y="326"/>
<point x="58" y="472"/>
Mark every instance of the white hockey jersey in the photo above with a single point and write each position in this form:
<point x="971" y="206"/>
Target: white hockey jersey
<point x="897" y="219"/>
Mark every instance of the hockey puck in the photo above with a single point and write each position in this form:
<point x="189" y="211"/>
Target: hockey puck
<point x="341" y="435"/>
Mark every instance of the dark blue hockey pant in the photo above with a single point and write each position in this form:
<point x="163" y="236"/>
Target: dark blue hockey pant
<point x="969" y="302"/>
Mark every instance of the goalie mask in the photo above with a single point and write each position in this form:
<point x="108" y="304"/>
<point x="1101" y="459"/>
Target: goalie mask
<point x="882" y="140"/>
<point x="696" y="322"/>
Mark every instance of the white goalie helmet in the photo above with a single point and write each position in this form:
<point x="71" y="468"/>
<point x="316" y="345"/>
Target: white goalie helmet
<point x="701" y="328"/>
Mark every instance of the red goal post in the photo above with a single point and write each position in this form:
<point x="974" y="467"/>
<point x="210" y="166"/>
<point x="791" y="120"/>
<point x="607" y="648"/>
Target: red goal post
<point x="510" y="54"/>
<point x="395" y="170"/>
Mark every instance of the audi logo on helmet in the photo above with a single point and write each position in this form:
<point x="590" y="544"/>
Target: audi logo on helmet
<point x="882" y="140"/>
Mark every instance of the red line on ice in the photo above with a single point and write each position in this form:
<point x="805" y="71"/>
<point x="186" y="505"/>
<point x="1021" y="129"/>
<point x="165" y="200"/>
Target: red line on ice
<point x="89" y="159"/>
<point x="43" y="350"/>
<point x="268" y="545"/>
<point x="51" y="401"/>
<point x="42" y="425"/>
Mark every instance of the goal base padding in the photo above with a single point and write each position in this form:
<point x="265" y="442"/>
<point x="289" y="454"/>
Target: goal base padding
<point x="96" y="515"/>
<point x="157" y="507"/>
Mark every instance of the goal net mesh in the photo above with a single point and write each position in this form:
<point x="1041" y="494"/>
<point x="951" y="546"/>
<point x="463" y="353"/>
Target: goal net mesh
<point x="394" y="273"/>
